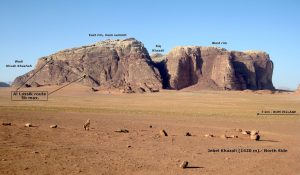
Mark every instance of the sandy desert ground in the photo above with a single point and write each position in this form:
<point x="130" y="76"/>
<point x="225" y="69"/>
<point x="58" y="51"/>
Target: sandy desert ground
<point x="69" y="149"/>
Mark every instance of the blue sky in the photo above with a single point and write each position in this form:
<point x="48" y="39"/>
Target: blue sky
<point x="32" y="29"/>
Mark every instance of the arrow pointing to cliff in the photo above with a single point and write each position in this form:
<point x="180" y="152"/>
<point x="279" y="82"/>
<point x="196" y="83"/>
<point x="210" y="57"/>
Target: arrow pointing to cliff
<point x="35" y="73"/>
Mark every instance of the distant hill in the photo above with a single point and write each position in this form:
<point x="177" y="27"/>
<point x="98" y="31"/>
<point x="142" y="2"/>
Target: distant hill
<point x="2" y="84"/>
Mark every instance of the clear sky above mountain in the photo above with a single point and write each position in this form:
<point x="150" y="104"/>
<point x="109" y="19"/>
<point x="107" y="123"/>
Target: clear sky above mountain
<point x="32" y="29"/>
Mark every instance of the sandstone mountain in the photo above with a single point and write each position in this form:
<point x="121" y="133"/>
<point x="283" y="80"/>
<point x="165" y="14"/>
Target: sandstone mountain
<point x="215" y="68"/>
<point x="126" y="65"/>
<point x="123" y="64"/>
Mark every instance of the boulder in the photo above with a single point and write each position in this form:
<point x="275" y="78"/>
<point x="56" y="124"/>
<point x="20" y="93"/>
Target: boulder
<point x="53" y="126"/>
<point x="188" y="134"/>
<point x="163" y="133"/>
<point x="246" y="132"/>
<point x="6" y="124"/>
<point x="184" y="164"/>
<point x="28" y="125"/>
<point x="254" y="132"/>
<point x="224" y="136"/>
<point x="233" y="136"/>
<point x="255" y="137"/>
<point x="208" y="135"/>
<point x="122" y="130"/>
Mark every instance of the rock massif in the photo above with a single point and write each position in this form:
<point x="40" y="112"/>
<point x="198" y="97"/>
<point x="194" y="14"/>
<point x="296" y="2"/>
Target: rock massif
<point x="122" y="64"/>
<point x="215" y="68"/>
<point x="126" y="65"/>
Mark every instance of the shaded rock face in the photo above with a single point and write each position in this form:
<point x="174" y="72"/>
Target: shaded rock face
<point x="160" y="63"/>
<point x="217" y="68"/>
<point x="253" y="69"/>
<point x="123" y="64"/>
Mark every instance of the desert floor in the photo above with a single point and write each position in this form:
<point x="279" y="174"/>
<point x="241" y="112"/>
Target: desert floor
<point x="69" y="149"/>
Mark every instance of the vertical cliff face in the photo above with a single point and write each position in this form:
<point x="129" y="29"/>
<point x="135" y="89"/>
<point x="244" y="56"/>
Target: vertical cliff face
<point x="263" y="69"/>
<point x="254" y="69"/>
<point x="211" y="67"/>
<point x="182" y="66"/>
<point x="244" y="70"/>
<point x="217" y="68"/>
<point x="123" y="64"/>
